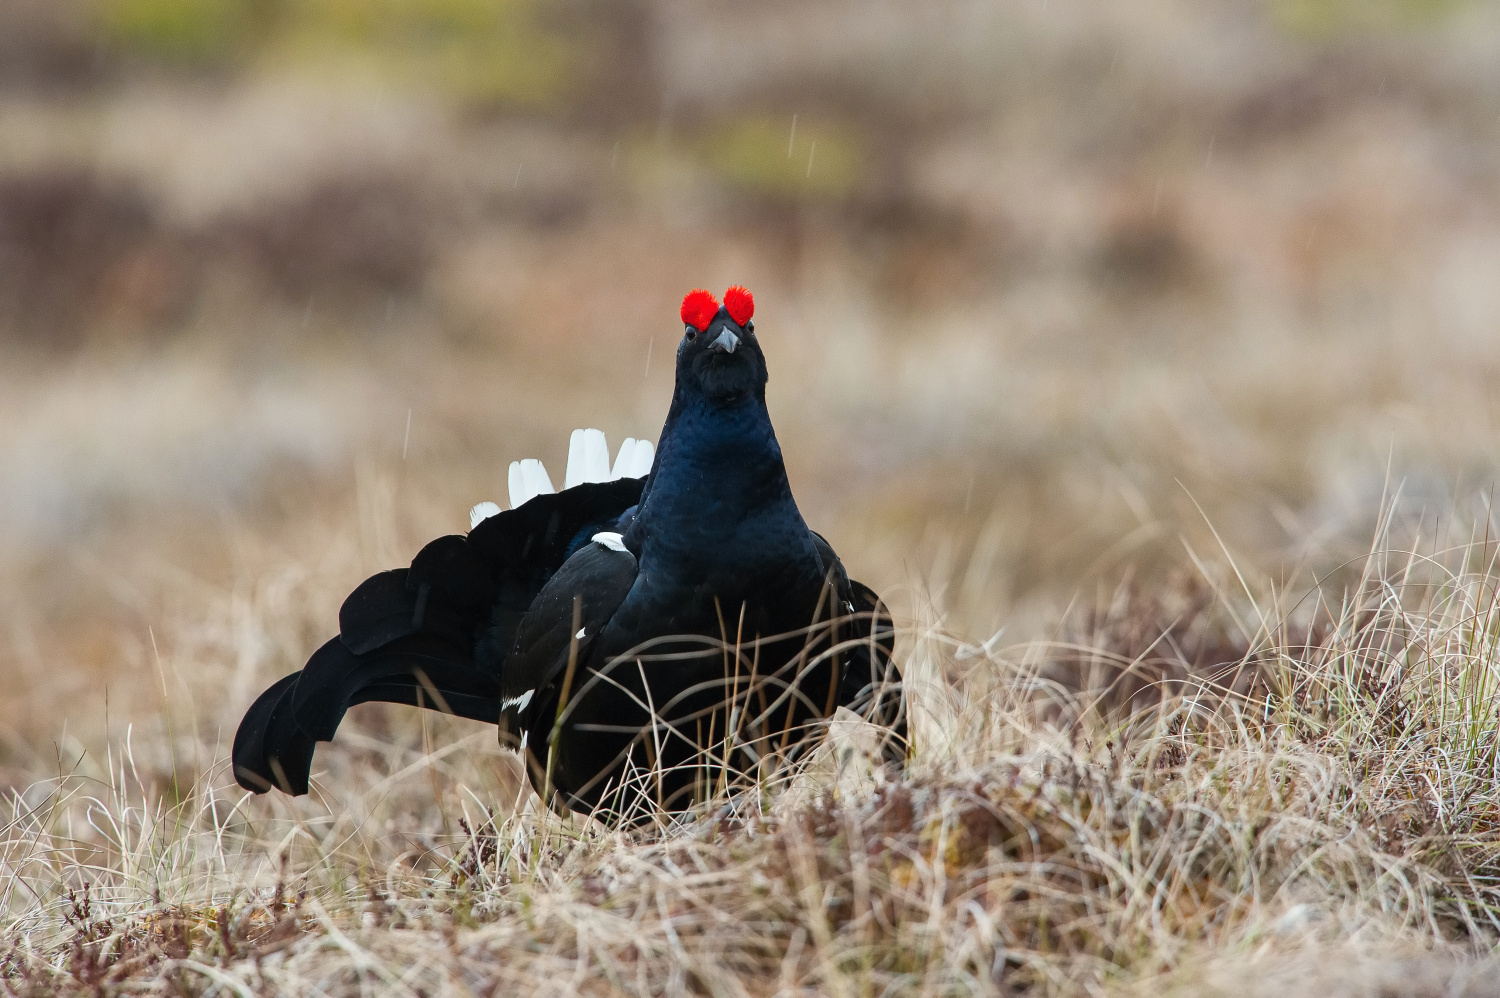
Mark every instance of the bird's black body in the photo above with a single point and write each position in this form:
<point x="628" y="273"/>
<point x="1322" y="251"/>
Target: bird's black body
<point x="642" y="639"/>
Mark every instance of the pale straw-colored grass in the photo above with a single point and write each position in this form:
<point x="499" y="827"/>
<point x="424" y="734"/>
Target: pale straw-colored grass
<point x="1094" y="814"/>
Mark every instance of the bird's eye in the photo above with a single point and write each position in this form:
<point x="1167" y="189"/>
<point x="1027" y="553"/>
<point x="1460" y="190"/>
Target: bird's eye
<point x="692" y="332"/>
<point x="750" y="326"/>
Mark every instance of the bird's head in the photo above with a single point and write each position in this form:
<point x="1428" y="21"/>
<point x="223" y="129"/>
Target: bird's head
<point x="719" y="356"/>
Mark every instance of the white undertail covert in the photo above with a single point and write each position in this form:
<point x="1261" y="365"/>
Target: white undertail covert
<point x="588" y="461"/>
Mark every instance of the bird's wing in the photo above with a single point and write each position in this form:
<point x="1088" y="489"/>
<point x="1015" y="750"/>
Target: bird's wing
<point x="833" y="568"/>
<point x="564" y="622"/>
<point x="436" y="634"/>
<point x="870" y="684"/>
<point x="530" y="543"/>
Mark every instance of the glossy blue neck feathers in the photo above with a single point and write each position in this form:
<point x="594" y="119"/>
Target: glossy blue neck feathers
<point x="718" y="491"/>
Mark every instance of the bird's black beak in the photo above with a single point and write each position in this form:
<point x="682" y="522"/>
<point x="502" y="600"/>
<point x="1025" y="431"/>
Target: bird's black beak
<point x="726" y="341"/>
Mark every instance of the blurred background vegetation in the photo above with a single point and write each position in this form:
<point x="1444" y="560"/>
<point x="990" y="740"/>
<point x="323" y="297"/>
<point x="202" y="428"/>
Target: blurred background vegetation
<point x="1047" y="288"/>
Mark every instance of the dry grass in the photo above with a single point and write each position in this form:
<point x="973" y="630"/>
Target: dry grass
<point x="1339" y="812"/>
<point x="1063" y="284"/>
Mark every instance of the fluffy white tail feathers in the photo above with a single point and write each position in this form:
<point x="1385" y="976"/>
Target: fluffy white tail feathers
<point x="482" y="511"/>
<point x="588" y="461"/>
<point x="588" y="458"/>
<point x="634" y="459"/>
<point x="528" y="478"/>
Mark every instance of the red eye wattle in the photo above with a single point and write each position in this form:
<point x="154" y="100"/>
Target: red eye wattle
<point x="740" y="304"/>
<point x="699" y="308"/>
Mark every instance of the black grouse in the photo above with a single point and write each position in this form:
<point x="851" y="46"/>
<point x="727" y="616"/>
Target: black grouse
<point x="642" y="640"/>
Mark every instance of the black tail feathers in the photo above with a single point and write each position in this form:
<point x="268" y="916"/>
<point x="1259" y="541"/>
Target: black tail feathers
<point x="269" y="749"/>
<point x="433" y="635"/>
<point x="274" y="744"/>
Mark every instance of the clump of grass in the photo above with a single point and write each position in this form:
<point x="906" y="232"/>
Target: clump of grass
<point x="474" y="50"/>
<point x="1323" y="19"/>
<point x="1340" y="808"/>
